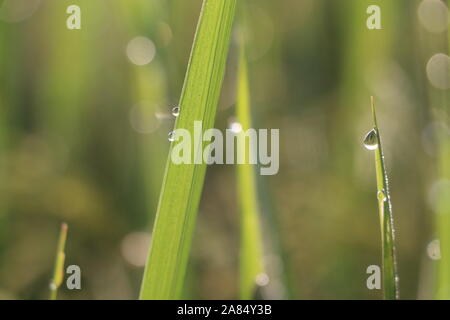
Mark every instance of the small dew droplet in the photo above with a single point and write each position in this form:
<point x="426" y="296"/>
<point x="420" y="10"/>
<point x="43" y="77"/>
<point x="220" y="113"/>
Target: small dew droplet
<point x="381" y="195"/>
<point x="371" y="140"/>
<point x="176" y="111"/>
<point x="53" y="286"/>
<point x="171" y="136"/>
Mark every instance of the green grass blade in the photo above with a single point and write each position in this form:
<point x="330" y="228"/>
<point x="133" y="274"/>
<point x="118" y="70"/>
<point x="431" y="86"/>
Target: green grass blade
<point x="251" y="250"/>
<point x="183" y="183"/>
<point x="390" y="278"/>
<point x="58" y="272"/>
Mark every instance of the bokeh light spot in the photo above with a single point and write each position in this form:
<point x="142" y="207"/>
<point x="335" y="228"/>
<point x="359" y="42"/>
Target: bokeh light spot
<point x="141" y="51"/>
<point x="438" y="71"/>
<point x="134" y="248"/>
<point x="433" y="15"/>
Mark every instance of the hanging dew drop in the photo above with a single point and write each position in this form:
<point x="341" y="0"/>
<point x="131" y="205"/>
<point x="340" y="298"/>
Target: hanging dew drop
<point x="171" y="136"/>
<point x="371" y="140"/>
<point x="176" y="111"/>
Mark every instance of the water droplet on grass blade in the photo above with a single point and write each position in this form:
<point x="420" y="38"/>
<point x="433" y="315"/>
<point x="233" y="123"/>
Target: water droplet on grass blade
<point x="381" y="195"/>
<point x="171" y="136"/>
<point x="176" y="111"/>
<point x="371" y="140"/>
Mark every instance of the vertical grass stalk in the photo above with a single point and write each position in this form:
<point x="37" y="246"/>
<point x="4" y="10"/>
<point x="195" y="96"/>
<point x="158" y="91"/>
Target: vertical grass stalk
<point x="58" y="272"/>
<point x="182" y="186"/>
<point x="251" y="247"/>
<point x="390" y="277"/>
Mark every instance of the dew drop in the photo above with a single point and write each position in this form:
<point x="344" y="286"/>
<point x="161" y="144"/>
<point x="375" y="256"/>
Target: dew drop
<point x="381" y="195"/>
<point x="371" y="140"/>
<point x="171" y="136"/>
<point x="176" y="111"/>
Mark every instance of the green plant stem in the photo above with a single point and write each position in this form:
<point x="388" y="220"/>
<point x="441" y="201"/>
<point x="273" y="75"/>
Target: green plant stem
<point x="183" y="183"/>
<point x="58" y="272"/>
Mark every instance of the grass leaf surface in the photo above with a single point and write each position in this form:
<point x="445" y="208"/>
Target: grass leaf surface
<point x="183" y="183"/>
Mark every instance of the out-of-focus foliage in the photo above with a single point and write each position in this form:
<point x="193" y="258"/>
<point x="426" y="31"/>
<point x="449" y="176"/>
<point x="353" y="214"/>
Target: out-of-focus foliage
<point x="251" y="258"/>
<point x="84" y="117"/>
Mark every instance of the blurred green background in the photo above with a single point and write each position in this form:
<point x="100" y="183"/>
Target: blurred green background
<point x="84" y="118"/>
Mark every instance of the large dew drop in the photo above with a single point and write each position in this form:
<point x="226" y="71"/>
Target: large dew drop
<point x="371" y="140"/>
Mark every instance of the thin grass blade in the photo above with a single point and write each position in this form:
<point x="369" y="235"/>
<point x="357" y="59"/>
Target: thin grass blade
<point x="58" y="272"/>
<point x="390" y="277"/>
<point x="183" y="183"/>
<point x="251" y="248"/>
